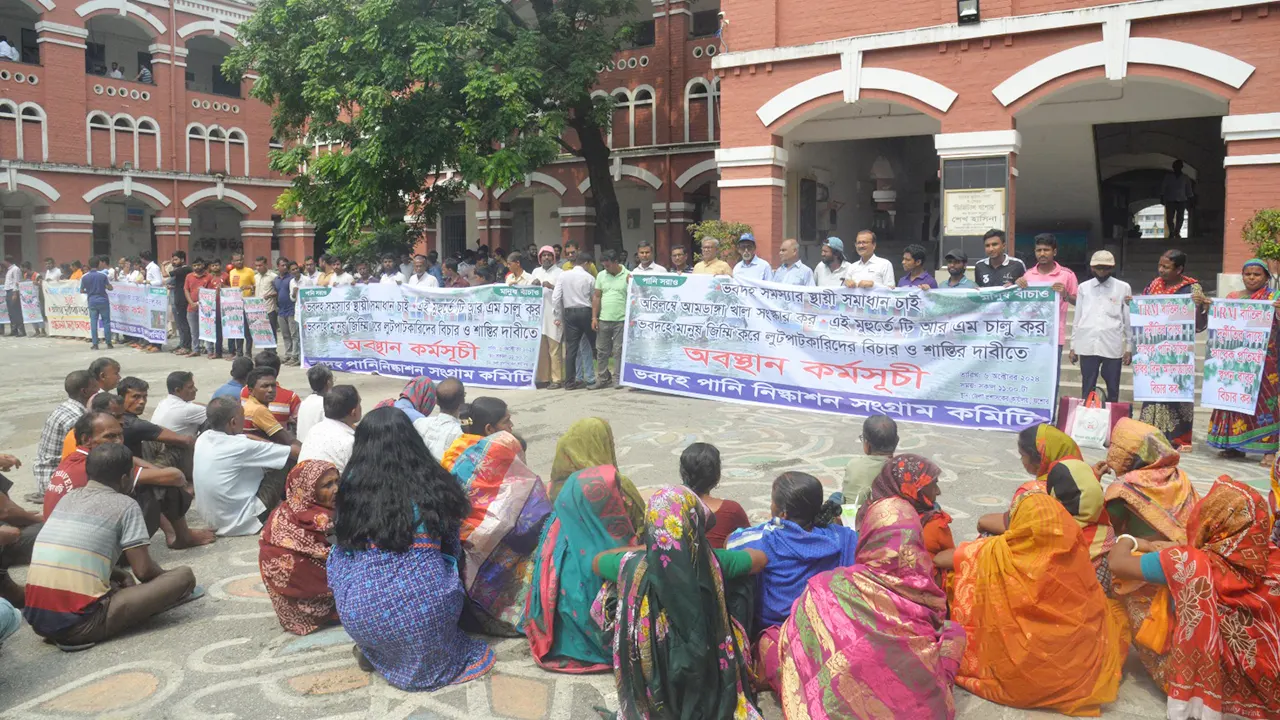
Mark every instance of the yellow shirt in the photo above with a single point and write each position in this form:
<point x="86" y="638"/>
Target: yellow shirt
<point x="715" y="267"/>
<point x="589" y="267"/>
<point x="244" y="278"/>
<point x="325" y="279"/>
<point x="258" y="418"/>
<point x="76" y="274"/>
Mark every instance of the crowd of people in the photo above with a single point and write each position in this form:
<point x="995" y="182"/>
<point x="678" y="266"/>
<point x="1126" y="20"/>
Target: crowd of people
<point x="420" y="525"/>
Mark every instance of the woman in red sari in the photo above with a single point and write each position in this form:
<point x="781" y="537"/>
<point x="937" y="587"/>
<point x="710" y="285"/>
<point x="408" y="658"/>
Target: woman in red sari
<point x="1238" y="433"/>
<point x="1224" y="636"/>
<point x="1176" y="420"/>
<point x="294" y="549"/>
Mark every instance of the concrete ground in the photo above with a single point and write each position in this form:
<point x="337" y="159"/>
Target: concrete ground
<point x="226" y="657"/>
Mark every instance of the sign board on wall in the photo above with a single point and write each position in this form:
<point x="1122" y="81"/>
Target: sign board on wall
<point x="973" y="212"/>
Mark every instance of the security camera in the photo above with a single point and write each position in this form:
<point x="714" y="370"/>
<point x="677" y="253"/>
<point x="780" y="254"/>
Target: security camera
<point x="720" y="14"/>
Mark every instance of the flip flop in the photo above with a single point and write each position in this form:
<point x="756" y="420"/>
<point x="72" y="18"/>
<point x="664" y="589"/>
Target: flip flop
<point x="73" y="648"/>
<point x="196" y="593"/>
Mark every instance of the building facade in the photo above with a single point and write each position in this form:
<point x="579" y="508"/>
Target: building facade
<point x="1058" y="116"/>
<point x="118" y="134"/>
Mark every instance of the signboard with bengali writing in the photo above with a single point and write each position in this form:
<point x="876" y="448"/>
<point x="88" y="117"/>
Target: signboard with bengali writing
<point x="1239" y="331"/>
<point x="66" y="308"/>
<point x="29" y="299"/>
<point x="1164" y="348"/>
<point x="259" y="323"/>
<point x="232" y="313"/>
<point x="208" y="308"/>
<point x="139" y="311"/>
<point x="973" y="212"/>
<point x="964" y="358"/>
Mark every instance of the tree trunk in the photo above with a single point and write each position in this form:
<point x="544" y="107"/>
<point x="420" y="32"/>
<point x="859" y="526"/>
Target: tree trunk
<point x="595" y="153"/>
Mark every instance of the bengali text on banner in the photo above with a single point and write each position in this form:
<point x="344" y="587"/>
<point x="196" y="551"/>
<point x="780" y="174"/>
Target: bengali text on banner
<point x="963" y="358"/>
<point x="1239" y="331"/>
<point x="208" y="309"/>
<point x="258" y="322"/>
<point x="29" y="298"/>
<point x="1164" y="348"/>
<point x="139" y="311"/>
<point x="486" y="336"/>
<point x="66" y="308"/>
<point x="232" y="313"/>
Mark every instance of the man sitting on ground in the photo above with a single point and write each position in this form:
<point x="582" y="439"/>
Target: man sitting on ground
<point x="107" y="372"/>
<point x="240" y="368"/>
<point x="79" y="386"/>
<point x="18" y="530"/>
<point x="879" y="443"/>
<point x="311" y="410"/>
<point x="75" y="595"/>
<point x="440" y="430"/>
<point x="334" y="437"/>
<point x="109" y="403"/>
<point x="137" y="432"/>
<point x="259" y="421"/>
<point x="230" y="468"/>
<point x="285" y="403"/>
<point x="179" y="411"/>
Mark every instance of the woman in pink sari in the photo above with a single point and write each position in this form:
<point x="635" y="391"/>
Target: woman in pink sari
<point x="873" y="639"/>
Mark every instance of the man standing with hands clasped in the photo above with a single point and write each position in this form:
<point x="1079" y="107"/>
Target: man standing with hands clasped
<point x="608" y="311"/>
<point x="550" y="355"/>
<point x="1101" y="337"/>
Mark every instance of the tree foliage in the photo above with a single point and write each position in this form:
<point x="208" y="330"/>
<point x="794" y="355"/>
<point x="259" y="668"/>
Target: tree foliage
<point x="413" y="89"/>
<point x="1263" y="233"/>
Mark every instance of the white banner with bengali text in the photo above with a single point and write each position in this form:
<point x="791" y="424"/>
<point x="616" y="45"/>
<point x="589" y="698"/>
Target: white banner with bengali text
<point x="1164" y="348"/>
<point x="207" y="330"/>
<point x="29" y="298"/>
<point x="231" y="313"/>
<point x="1239" y="331"/>
<point x="66" y="308"/>
<point x="258" y="323"/>
<point x="139" y="311"/>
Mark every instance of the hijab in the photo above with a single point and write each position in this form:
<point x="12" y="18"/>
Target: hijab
<point x="586" y="444"/>
<point x="419" y="392"/>
<point x="300" y="523"/>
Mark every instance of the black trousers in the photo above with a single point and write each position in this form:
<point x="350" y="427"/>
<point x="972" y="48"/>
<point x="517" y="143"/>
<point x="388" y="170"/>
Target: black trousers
<point x="577" y="323"/>
<point x="14" y="304"/>
<point x="1090" y="365"/>
<point x="184" y="327"/>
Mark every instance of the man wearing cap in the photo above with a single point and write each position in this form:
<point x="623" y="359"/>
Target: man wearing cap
<point x="833" y="270"/>
<point x="711" y="264"/>
<point x="1101" y="337"/>
<point x="999" y="269"/>
<point x="957" y="269"/>
<point x="869" y="270"/>
<point x="750" y="266"/>
<point x="644" y="261"/>
<point x="790" y="270"/>
<point x="551" y="355"/>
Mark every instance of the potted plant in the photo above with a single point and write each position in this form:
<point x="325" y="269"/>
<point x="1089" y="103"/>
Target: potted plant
<point x="1262" y="232"/>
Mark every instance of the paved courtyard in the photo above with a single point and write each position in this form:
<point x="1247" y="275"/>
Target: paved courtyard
<point x="226" y="657"/>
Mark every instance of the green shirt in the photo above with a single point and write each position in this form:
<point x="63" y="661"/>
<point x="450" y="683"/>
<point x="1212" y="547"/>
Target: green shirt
<point x="859" y="474"/>
<point x="613" y="295"/>
<point x="733" y="564"/>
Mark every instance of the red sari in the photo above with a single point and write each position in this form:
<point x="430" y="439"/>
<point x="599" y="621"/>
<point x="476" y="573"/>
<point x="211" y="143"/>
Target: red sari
<point x="1174" y="419"/>
<point x="1224" y="656"/>
<point x="293" y="552"/>
<point x="1255" y="432"/>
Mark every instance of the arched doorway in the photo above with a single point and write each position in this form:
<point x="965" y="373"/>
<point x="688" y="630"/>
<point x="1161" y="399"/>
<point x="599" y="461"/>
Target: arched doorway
<point x="215" y="230"/>
<point x="17" y="210"/>
<point x="18" y="26"/>
<point x="117" y="47"/>
<point x="205" y="55"/>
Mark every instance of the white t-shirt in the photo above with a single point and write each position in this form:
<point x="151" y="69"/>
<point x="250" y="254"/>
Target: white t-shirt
<point x="154" y="277"/>
<point x="426" y="280"/>
<point x="53" y="274"/>
<point x="653" y="269"/>
<point x="438" y="432"/>
<point x="310" y="413"/>
<point x="824" y="277"/>
<point x="394" y="278"/>
<point x="876" y="269"/>
<point x="331" y="441"/>
<point x="115" y="74"/>
<point x="339" y="280"/>
<point x="178" y="415"/>
<point x="227" y="473"/>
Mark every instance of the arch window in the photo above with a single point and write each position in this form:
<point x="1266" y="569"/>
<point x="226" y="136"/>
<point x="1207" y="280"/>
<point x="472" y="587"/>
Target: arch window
<point x="30" y="131"/>
<point x="122" y="128"/>
<point x="700" y="100"/>
<point x="643" y="112"/>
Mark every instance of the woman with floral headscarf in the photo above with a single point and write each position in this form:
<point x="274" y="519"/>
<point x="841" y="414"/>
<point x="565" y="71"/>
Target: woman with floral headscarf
<point x="294" y="548"/>
<point x="1224" y="583"/>
<point x="676" y="650"/>
<point x="417" y="400"/>
<point x="915" y="479"/>
<point x="1238" y="433"/>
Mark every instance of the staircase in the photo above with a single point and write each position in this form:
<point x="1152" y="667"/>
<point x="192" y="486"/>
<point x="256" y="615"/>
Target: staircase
<point x="1139" y="259"/>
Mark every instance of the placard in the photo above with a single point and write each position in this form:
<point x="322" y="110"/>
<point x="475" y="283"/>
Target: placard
<point x="232" y="313"/>
<point x="1239" y="331"/>
<point x="140" y="311"/>
<point x="1164" y="348"/>
<point x="208" y="308"/>
<point x="259" y="323"/>
<point x="973" y="212"/>
<point x="29" y="298"/>
<point x="66" y="309"/>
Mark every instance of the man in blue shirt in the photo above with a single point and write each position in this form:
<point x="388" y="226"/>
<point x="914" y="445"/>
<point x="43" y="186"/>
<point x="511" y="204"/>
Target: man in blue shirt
<point x="95" y="285"/>
<point x="750" y="266"/>
<point x="289" y="345"/>
<point x="240" y="369"/>
<point x="433" y="267"/>
<point x="914" y="274"/>
<point x="957" y="267"/>
<point x="790" y="270"/>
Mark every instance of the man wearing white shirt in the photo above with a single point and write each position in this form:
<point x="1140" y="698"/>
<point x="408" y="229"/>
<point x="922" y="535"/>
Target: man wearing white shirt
<point x="440" y="430"/>
<point x="178" y="411"/>
<point x="340" y="277"/>
<point x="572" y="302"/>
<point x="516" y="276"/>
<point x="421" y="276"/>
<point x="333" y="438"/>
<point x="750" y="266"/>
<point x="229" y="468"/>
<point x="551" y="354"/>
<point x="309" y="276"/>
<point x="7" y="51"/>
<point x="390" y="274"/>
<point x="115" y="73"/>
<point x="833" y="269"/>
<point x="52" y="273"/>
<point x="12" y="277"/>
<point x="311" y="409"/>
<point x="153" y="276"/>
<point x="869" y="271"/>
<point x="1101" y="336"/>
<point x="790" y="270"/>
<point x="645" y="264"/>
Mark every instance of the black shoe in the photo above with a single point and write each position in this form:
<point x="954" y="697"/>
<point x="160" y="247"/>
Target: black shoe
<point x="573" y="385"/>
<point x="110" y="346"/>
<point x="95" y="347"/>
<point x="555" y="386"/>
<point x="600" y="385"/>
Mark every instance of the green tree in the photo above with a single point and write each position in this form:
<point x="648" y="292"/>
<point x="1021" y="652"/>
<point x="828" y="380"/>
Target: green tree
<point x="412" y="89"/>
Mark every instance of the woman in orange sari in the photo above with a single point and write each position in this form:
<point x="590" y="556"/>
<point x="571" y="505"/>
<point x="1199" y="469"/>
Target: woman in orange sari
<point x="1040" y="631"/>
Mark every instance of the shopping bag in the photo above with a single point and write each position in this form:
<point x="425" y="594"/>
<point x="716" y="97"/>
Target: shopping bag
<point x="1091" y="424"/>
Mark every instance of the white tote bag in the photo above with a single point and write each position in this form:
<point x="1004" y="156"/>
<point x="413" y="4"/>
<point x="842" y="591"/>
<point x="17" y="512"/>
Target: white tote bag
<point x="1091" y="426"/>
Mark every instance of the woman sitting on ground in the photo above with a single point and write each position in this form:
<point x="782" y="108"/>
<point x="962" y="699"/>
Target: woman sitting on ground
<point x="509" y="508"/>
<point x="677" y="651"/>
<point x="482" y="418"/>
<point x="1151" y="499"/>
<point x="800" y="542"/>
<point x="700" y="472"/>
<point x="915" y="479"/>
<point x="294" y="549"/>
<point x="394" y="567"/>
<point x="873" y="639"/>
<point x="596" y="510"/>
<point x="417" y="400"/>
<point x="1222" y="627"/>
<point x="1040" y="631"/>
<point x="588" y="443"/>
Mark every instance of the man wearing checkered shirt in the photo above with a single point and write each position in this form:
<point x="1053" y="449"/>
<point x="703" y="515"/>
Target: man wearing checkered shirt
<point x="80" y="387"/>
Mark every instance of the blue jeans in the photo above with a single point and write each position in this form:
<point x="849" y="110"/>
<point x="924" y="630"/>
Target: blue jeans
<point x="97" y="312"/>
<point x="586" y="361"/>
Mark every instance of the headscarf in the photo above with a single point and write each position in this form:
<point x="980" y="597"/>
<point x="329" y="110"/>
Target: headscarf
<point x="906" y="476"/>
<point x="300" y="524"/>
<point x="293" y="550"/>
<point x="589" y="443"/>
<point x="1148" y="479"/>
<point x="509" y="507"/>
<point x="1041" y="632"/>
<point x="1260" y="264"/>
<point x="1065" y="475"/>
<point x="1054" y="446"/>
<point x="419" y="392"/>
<point x="883" y="612"/>
<point x="1225" y="652"/>
<point x="1160" y="287"/>
<point x="676" y="652"/>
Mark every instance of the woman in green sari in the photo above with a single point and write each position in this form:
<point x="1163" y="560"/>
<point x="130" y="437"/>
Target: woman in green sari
<point x="586" y="444"/>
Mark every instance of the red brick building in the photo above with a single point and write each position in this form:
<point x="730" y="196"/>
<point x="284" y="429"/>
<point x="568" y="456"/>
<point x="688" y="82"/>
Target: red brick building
<point x="1041" y="115"/>
<point x="96" y="157"/>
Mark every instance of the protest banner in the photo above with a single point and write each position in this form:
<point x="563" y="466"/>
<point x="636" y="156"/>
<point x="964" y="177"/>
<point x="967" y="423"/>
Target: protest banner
<point x="4" y="310"/>
<point x="140" y="311"/>
<point x="1239" y="331"/>
<point x="963" y="358"/>
<point x="259" y="323"/>
<point x="29" y="298"/>
<point x="208" y="307"/>
<point x="1164" y="348"/>
<point x="486" y="336"/>
<point x="232" y="313"/>
<point x="66" y="308"/>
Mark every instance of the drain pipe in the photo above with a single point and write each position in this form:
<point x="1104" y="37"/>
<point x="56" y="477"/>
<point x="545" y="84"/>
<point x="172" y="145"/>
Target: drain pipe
<point x="173" y="121"/>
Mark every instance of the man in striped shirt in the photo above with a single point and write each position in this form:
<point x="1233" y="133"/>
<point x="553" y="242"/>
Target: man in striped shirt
<point x="80" y="386"/>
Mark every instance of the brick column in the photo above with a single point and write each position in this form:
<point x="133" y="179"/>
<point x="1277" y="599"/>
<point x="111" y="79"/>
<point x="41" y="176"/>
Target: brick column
<point x="752" y="187"/>
<point x="297" y="239"/>
<point x="172" y="233"/>
<point x="494" y="227"/>
<point x="578" y="224"/>
<point x="256" y="236"/>
<point x="64" y="236"/>
<point x="974" y="162"/>
<point x="671" y="221"/>
<point x="1253" y="183"/>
